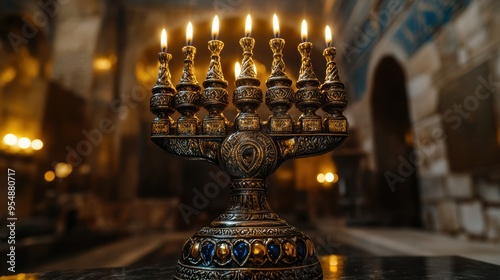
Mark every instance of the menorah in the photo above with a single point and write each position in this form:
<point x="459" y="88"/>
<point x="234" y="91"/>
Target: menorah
<point x="249" y="241"/>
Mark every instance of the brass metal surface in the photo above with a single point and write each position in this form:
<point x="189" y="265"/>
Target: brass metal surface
<point x="249" y="241"/>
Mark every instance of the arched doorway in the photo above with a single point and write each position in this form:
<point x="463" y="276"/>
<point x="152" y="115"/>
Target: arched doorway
<point x="396" y="182"/>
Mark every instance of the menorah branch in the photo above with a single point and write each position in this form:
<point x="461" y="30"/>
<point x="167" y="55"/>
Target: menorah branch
<point x="297" y="146"/>
<point x="205" y="148"/>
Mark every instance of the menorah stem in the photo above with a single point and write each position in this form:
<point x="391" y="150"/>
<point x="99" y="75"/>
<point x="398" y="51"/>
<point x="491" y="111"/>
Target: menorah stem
<point x="247" y="96"/>
<point x="248" y="205"/>
<point x="308" y="96"/>
<point x="162" y="101"/>
<point x="215" y="97"/>
<point x="187" y="99"/>
<point x="334" y="95"/>
<point x="279" y="96"/>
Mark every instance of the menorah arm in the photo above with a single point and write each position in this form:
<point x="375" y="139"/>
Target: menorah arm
<point x="193" y="147"/>
<point x="304" y="145"/>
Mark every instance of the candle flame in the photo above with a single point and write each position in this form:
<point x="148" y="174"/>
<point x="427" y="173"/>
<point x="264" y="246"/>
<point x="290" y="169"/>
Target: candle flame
<point x="164" y="40"/>
<point x="189" y="34"/>
<point x="328" y="36"/>
<point x="215" y="28"/>
<point x="237" y="69"/>
<point x="248" y="26"/>
<point x="303" y="31"/>
<point x="276" y="26"/>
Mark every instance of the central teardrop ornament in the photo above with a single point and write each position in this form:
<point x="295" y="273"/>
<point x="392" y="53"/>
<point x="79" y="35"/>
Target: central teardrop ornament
<point x="249" y="155"/>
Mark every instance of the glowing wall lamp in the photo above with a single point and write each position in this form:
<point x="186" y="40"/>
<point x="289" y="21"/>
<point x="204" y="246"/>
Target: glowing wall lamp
<point x="13" y="143"/>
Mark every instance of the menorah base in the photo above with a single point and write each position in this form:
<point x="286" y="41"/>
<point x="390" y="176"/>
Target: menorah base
<point x="249" y="241"/>
<point x="249" y="253"/>
<point x="309" y="272"/>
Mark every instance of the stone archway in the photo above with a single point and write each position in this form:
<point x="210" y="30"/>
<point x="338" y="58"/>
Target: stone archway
<point x="396" y="182"/>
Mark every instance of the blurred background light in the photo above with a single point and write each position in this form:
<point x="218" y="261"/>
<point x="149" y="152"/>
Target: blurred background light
<point x="7" y="75"/>
<point x="320" y="178"/>
<point x="36" y="144"/>
<point x="63" y="170"/>
<point x="103" y="63"/>
<point x="10" y="139"/>
<point x="24" y="143"/>
<point x="49" y="176"/>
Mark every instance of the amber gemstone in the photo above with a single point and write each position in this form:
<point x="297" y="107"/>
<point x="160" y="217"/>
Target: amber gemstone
<point x="258" y="252"/>
<point x="195" y="250"/>
<point x="223" y="252"/>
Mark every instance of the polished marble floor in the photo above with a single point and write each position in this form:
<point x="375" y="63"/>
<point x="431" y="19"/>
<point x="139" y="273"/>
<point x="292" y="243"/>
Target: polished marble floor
<point x="334" y="267"/>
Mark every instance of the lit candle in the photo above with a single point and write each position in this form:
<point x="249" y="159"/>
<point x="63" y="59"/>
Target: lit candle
<point x="215" y="28"/>
<point x="303" y="31"/>
<point x="332" y="73"/>
<point x="237" y="69"/>
<point x="189" y="34"/>
<point x="215" y="47"/>
<point x="328" y="36"/>
<point x="277" y="44"/>
<point x="248" y="26"/>
<point x="276" y="26"/>
<point x="164" y="40"/>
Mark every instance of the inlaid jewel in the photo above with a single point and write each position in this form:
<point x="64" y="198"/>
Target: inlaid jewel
<point x="195" y="250"/>
<point x="301" y="248"/>
<point x="207" y="252"/>
<point x="258" y="252"/>
<point x="273" y="251"/>
<point x="290" y="250"/>
<point x="223" y="252"/>
<point x="310" y="247"/>
<point x="240" y="252"/>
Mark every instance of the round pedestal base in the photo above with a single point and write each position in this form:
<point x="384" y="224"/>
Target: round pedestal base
<point x="275" y="251"/>
<point x="248" y="242"/>
<point x="308" y="271"/>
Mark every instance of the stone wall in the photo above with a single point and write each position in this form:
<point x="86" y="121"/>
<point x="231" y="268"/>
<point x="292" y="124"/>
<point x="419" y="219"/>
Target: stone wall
<point x="459" y="184"/>
<point x="464" y="202"/>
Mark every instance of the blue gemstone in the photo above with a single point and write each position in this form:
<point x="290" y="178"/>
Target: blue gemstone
<point x="301" y="248"/>
<point x="273" y="250"/>
<point x="186" y="250"/>
<point x="240" y="251"/>
<point x="207" y="252"/>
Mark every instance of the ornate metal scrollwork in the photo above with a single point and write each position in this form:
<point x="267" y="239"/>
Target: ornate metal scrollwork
<point x="249" y="240"/>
